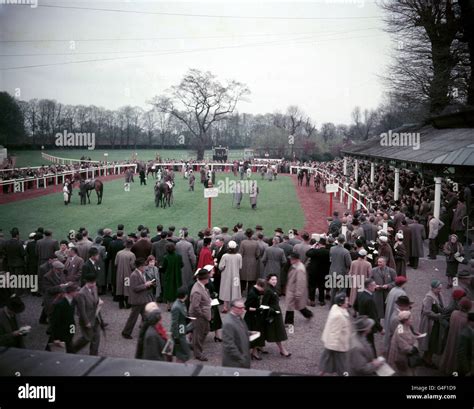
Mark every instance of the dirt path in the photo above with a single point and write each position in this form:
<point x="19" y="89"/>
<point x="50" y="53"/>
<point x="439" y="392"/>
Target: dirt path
<point x="315" y="207"/>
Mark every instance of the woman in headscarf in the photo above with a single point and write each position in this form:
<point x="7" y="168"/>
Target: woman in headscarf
<point x="432" y="323"/>
<point x="403" y="344"/>
<point x="453" y="251"/>
<point x="152" y="338"/>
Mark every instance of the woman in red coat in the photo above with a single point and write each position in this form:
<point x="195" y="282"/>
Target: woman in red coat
<point x="205" y="255"/>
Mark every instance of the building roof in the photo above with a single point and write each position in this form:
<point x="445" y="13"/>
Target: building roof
<point x="438" y="143"/>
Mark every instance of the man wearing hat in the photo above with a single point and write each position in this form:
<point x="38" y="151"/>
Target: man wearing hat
<point x="296" y="290"/>
<point x="385" y="250"/>
<point x="362" y="361"/>
<point x="14" y="254"/>
<point x="403" y="303"/>
<point x="359" y="271"/>
<point x="417" y="236"/>
<point x="54" y="282"/>
<point x="62" y="326"/>
<point x="384" y="277"/>
<point x="46" y="247"/>
<point x="10" y="335"/>
<point x="88" y="302"/>
<point x="200" y="308"/>
<point x="73" y="265"/>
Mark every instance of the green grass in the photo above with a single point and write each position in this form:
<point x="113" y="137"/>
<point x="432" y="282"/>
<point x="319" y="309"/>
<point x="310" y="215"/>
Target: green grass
<point x="277" y="207"/>
<point x="33" y="157"/>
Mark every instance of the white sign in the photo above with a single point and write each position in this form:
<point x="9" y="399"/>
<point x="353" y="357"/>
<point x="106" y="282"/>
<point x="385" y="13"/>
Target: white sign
<point x="211" y="192"/>
<point x="332" y="188"/>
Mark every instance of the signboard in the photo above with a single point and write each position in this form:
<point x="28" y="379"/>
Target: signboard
<point x="332" y="188"/>
<point x="211" y="192"/>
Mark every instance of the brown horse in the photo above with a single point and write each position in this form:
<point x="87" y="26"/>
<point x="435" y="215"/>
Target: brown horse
<point x="86" y="186"/>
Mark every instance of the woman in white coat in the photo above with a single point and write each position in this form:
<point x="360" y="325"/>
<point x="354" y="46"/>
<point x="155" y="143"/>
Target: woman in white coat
<point x="230" y="266"/>
<point x="336" y="338"/>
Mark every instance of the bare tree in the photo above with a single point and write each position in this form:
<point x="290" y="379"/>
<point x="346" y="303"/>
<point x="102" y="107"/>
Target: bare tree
<point x="199" y="101"/>
<point x="426" y="33"/>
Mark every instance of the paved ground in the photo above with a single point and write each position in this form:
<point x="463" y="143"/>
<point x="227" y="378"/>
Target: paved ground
<point x="304" y="342"/>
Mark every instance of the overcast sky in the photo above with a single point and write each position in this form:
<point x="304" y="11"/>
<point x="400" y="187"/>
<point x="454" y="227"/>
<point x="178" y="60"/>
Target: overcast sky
<point x="324" y="55"/>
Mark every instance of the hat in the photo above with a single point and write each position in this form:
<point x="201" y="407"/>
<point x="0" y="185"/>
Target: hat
<point x="32" y="235"/>
<point x="458" y="293"/>
<point x="316" y="236"/>
<point x="202" y="274"/>
<point x="363" y="323"/>
<point x="71" y="245"/>
<point x="435" y="283"/>
<point x="404" y="315"/>
<point x="362" y="252"/>
<point x="58" y="264"/>
<point x="294" y="255"/>
<point x="463" y="274"/>
<point x="399" y="236"/>
<point x="400" y="280"/>
<point x="258" y="227"/>
<point x="383" y="239"/>
<point x="279" y="230"/>
<point x="15" y="304"/>
<point x="232" y="244"/>
<point x="382" y="233"/>
<point x="403" y="301"/>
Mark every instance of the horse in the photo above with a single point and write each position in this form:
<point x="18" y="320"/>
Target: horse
<point x="163" y="194"/>
<point x="85" y="186"/>
<point x="153" y="169"/>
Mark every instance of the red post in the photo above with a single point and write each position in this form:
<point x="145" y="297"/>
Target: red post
<point x="330" y="204"/>
<point x="209" y="211"/>
<point x="353" y="205"/>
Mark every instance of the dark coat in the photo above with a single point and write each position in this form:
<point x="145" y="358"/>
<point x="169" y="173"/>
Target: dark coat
<point x="142" y="248"/>
<point x="255" y="319"/>
<point x="45" y="248"/>
<point x="51" y="288"/>
<point x="153" y="345"/>
<point x="318" y="266"/>
<point x="274" y="327"/>
<point x="31" y="258"/>
<point x="365" y="305"/>
<point x="236" y="347"/>
<point x="14" y="255"/>
<point x="89" y="268"/>
<point x="62" y="320"/>
<point x="7" y="327"/>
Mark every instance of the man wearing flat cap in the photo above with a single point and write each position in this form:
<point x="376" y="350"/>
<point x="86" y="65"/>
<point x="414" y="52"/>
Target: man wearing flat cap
<point x="466" y="283"/>
<point x="54" y="282"/>
<point x="403" y="303"/>
<point x="200" y="308"/>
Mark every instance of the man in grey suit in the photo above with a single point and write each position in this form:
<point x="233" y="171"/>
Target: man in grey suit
<point x="139" y="296"/>
<point x="73" y="266"/>
<point x="302" y="248"/>
<point x="340" y="263"/>
<point x="235" y="337"/>
<point x="87" y="302"/>
<point x="200" y="308"/>
<point x="185" y="249"/>
<point x="46" y="247"/>
<point x="273" y="259"/>
<point x="384" y="277"/>
<point x="239" y="235"/>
